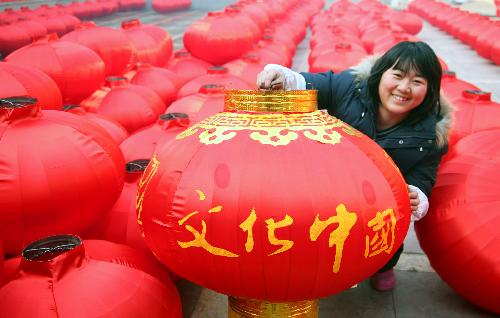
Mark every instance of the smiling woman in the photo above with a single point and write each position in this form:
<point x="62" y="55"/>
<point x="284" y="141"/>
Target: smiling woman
<point x="395" y="100"/>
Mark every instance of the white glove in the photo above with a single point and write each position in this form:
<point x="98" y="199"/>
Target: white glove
<point x="423" y="205"/>
<point x="277" y="76"/>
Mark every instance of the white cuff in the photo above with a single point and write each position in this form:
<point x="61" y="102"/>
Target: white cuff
<point x="423" y="206"/>
<point x="293" y="80"/>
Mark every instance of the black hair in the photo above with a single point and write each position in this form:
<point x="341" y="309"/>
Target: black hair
<point x="406" y="56"/>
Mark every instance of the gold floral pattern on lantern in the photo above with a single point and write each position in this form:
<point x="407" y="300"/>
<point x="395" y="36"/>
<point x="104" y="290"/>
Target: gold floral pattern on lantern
<point x="276" y="129"/>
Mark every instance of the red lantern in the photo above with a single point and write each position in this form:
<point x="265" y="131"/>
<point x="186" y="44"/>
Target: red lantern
<point x="35" y="29"/>
<point x="341" y="57"/>
<point x="207" y="102"/>
<point x="453" y="87"/>
<point x="133" y="106"/>
<point x="187" y="66"/>
<point x="76" y="69"/>
<point x="216" y="75"/>
<point x="460" y="233"/>
<point x="215" y="38"/>
<point x="163" y="6"/>
<point x="52" y="267"/>
<point x="246" y="68"/>
<point x="119" y="225"/>
<point x="153" y="44"/>
<point x="12" y="37"/>
<point x="112" y="45"/>
<point x="114" y="129"/>
<point x="18" y="80"/>
<point x="59" y="173"/>
<point x="474" y="111"/>
<point x="163" y="82"/>
<point x="239" y="191"/>
<point x="142" y="143"/>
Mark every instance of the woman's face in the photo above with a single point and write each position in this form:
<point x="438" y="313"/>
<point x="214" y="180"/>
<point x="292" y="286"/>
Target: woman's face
<point x="400" y="93"/>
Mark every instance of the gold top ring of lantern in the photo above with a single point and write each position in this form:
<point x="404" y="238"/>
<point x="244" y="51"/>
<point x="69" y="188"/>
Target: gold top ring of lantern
<point x="297" y="101"/>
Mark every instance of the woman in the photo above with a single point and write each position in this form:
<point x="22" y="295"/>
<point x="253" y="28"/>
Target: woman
<point x="395" y="100"/>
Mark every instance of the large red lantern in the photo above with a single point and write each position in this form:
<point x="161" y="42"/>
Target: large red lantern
<point x="59" y="173"/>
<point x="207" y="102"/>
<point x="133" y="106"/>
<point x="12" y="37"/>
<point x="153" y="44"/>
<point x="216" y="75"/>
<point x="337" y="59"/>
<point x="269" y="194"/>
<point x="18" y="80"/>
<point x="246" y="68"/>
<point x="453" y="87"/>
<point x="142" y="143"/>
<point x="112" y="45"/>
<point x="57" y="277"/>
<point x="77" y="70"/>
<point x="460" y="232"/>
<point x="217" y="40"/>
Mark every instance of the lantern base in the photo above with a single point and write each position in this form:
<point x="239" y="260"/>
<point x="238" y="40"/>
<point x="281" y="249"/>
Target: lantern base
<point x="246" y="308"/>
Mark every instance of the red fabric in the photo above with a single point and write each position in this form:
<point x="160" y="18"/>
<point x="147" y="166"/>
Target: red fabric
<point x="112" y="45"/>
<point x="187" y="66"/>
<point x="215" y="38"/>
<point x="113" y="128"/>
<point x="208" y="101"/>
<point x="18" y="80"/>
<point x="216" y="75"/>
<point x="77" y="284"/>
<point x="460" y="232"/>
<point x="77" y="70"/>
<point x="59" y="174"/>
<point x="304" y="179"/>
<point x="142" y="143"/>
<point x="153" y="44"/>
<point x="132" y="106"/>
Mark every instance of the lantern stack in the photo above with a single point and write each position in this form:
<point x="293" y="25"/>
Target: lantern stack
<point x="131" y="155"/>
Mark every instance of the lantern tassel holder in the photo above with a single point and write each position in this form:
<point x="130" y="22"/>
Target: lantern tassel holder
<point x="246" y="308"/>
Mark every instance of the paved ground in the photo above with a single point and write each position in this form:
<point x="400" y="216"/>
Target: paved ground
<point x="420" y="292"/>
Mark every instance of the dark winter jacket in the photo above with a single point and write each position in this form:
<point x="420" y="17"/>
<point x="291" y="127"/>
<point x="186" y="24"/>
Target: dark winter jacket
<point x="416" y="149"/>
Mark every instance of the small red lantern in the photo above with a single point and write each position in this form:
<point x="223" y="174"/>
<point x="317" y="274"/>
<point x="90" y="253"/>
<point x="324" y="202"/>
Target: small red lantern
<point x="187" y="66"/>
<point x="142" y="143"/>
<point x="208" y="101"/>
<point x="52" y="267"/>
<point x="77" y="70"/>
<point x="460" y="233"/>
<point x="153" y="44"/>
<point x="59" y="173"/>
<point x="215" y="38"/>
<point x="216" y="75"/>
<point x="475" y="111"/>
<point x="114" y="129"/>
<point x="239" y="191"/>
<point x="133" y="106"/>
<point x="18" y="80"/>
<point x="246" y="68"/>
<point x="453" y="87"/>
<point x="112" y="45"/>
<point x="163" y="82"/>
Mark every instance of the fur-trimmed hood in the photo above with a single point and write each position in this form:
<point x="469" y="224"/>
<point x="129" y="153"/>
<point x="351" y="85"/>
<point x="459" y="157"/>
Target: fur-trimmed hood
<point x="362" y="71"/>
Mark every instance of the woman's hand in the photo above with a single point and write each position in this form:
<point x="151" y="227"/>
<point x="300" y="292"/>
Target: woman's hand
<point x="271" y="79"/>
<point x="275" y="76"/>
<point x="414" y="201"/>
<point x="418" y="202"/>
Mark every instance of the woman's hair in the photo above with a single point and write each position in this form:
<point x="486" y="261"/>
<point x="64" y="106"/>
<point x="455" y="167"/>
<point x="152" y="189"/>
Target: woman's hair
<point x="406" y="56"/>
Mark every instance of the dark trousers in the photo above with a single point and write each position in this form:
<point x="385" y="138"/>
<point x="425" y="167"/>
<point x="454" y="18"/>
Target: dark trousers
<point x="393" y="261"/>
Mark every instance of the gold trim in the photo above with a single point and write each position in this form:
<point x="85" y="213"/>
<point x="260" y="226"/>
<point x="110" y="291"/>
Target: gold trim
<point x="299" y="101"/>
<point x="246" y="308"/>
